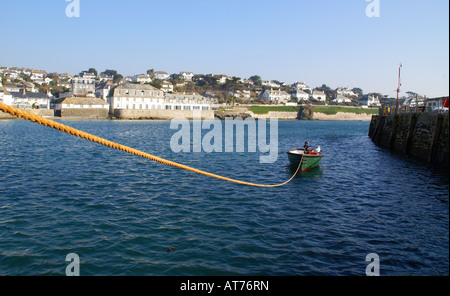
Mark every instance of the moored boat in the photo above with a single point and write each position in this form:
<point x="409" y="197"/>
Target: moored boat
<point x="310" y="157"/>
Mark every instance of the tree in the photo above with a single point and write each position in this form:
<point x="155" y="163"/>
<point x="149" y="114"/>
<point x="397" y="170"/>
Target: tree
<point x="156" y="83"/>
<point x="53" y="75"/>
<point x="92" y="70"/>
<point x="256" y="80"/>
<point x="116" y="77"/>
<point x="358" y="91"/>
<point x="330" y="93"/>
<point x="176" y="79"/>
<point x="26" y="77"/>
<point x="151" y="73"/>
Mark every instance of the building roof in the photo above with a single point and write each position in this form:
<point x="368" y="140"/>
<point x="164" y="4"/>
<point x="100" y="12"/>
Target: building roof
<point x="301" y="92"/>
<point x="277" y="92"/>
<point x="29" y="95"/>
<point x="136" y="86"/>
<point x="104" y="85"/>
<point x="185" y="96"/>
<point x="81" y="101"/>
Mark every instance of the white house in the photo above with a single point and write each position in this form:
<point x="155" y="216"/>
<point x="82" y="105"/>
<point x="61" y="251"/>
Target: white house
<point x="5" y="97"/>
<point x="178" y="101"/>
<point x="166" y="86"/>
<point x="37" y="75"/>
<point x="80" y="86"/>
<point x="88" y="75"/>
<point x="105" y="77"/>
<point x="161" y="75"/>
<point x="27" y="71"/>
<point x="270" y="83"/>
<point x="11" y="74"/>
<point x="246" y="81"/>
<point x="141" y="78"/>
<point x="319" y="95"/>
<point x="302" y="86"/>
<point x="187" y="76"/>
<point x="147" y="97"/>
<point x="370" y="101"/>
<point x="135" y="96"/>
<point x="25" y="100"/>
<point x="276" y="96"/>
<point x="345" y="92"/>
<point x="65" y="76"/>
<point x="221" y="79"/>
<point x="300" y="95"/>
<point x="341" y="99"/>
<point x="240" y="94"/>
<point x="3" y="69"/>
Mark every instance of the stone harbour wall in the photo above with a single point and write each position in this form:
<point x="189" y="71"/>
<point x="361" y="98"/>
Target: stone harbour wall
<point x="162" y="114"/>
<point x="85" y="113"/>
<point x="342" y="116"/>
<point x="40" y="112"/>
<point x="424" y="136"/>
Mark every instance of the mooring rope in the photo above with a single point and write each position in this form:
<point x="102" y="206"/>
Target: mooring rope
<point x="70" y="130"/>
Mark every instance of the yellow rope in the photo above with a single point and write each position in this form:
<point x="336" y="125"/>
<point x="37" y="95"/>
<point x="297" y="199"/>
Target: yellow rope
<point x="70" y="130"/>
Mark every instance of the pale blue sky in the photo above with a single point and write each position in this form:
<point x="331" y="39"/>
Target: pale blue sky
<point x="317" y="41"/>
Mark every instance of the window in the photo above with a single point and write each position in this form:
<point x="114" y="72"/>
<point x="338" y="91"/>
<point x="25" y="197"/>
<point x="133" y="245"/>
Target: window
<point x="168" y="107"/>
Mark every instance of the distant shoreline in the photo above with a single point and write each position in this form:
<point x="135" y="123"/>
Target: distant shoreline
<point x="340" y="116"/>
<point x="272" y="112"/>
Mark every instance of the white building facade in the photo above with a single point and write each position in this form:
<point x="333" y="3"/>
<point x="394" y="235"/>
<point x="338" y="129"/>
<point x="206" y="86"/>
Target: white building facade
<point x="276" y="96"/>
<point x="147" y="97"/>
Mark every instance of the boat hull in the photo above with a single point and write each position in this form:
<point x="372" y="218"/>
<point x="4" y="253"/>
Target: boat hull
<point x="309" y="162"/>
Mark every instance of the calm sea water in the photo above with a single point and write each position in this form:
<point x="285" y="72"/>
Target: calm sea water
<point x="60" y="194"/>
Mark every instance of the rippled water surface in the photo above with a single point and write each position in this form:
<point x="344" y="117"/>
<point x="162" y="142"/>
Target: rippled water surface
<point x="60" y="194"/>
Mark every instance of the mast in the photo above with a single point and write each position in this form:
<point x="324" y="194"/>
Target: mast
<point x="398" y="89"/>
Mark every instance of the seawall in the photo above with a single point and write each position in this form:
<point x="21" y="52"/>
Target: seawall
<point x="284" y="115"/>
<point x="423" y="136"/>
<point x="339" y="116"/>
<point x="316" y="116"/>
<point x="161" y="114"/>
<point x="40" y="112"/>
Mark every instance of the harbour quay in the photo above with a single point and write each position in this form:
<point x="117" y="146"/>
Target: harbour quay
<point x="421" y="133"/>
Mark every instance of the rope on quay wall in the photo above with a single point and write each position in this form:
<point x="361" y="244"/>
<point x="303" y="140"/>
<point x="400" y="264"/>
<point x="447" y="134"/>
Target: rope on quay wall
<point x="70" y="130"/>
